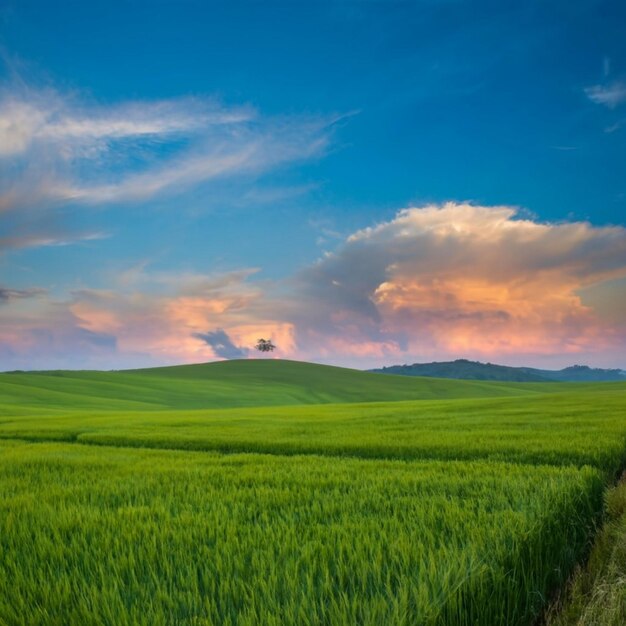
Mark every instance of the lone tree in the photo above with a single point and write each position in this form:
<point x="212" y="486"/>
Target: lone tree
<point x="265" y="345"/>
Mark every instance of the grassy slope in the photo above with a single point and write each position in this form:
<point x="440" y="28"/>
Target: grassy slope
<point x="582" y="427"/>
<point x="235" y="384"/>
<point x="597" y="594"/>
<point x="207" y="407"/>
<point x="99" y="536"/>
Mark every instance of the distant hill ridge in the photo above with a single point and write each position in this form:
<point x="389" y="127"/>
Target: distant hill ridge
<point x="229" y="384"/>
<point x="464" y="369"/>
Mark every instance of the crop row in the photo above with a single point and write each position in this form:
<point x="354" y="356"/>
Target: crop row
<point x="95" y="535"/>
<point x="560" y="429"/>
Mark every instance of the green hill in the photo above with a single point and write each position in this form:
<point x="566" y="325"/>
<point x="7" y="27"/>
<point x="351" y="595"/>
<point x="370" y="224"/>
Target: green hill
<point x="238" y="383"/>
<point x="174" y="495"/>
<point x="462" y="369"/>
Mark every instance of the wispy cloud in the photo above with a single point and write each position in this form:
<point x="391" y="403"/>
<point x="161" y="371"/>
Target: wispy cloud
<point x="37" y="118"/>
<point x="614" y="127"/>
<point x="60" y="152"/>
<point x="58" y="148"/>
<point x="565" y="148"/>
<point x="20" y="241"/>
<point x="610" y="94"/>
<point x="7" y="294"/>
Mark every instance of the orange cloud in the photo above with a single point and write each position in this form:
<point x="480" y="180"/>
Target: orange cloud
<point x="459" y="279"/>
<point x="167" y="328"/>
<point x="436" y="282"/>
<point x="489" y="317"/>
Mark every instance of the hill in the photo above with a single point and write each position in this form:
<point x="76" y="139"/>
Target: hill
<point x="583" y="373"/>
<point x="462" y="369"/>
<point x="182" y="510"/>
<point x="237" y="383"/>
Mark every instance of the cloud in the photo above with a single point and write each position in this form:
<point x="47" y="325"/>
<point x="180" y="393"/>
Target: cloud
<point x="222" y="345"/>
<point x="19" y="241"/>
<point x="610" y="95"/>
<point x="6" y="294"/>
<point x="39" y="332"/>
<point x="616" y="126"/>
<point x="62" y="152"/>
<point x="145" y="318"/>
<point x="434" y="282"/>
<point x="58" y="148"/>
<point x="459" y="279"/>
<point x="37" y="118"/>
<point x="162" y="314"/>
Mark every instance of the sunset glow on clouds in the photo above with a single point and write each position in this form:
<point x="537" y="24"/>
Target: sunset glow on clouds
<point x="434" y="282"/>
<point x="457" y="279"/>
<point x="391" y="192"/>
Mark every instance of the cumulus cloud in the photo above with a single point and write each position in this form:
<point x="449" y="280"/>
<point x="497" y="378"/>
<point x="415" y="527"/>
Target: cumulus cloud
<point x="610" y="95"/>
<point x="460" y="279"/>
<point x="434" y="282"/>
<point x="222" y="344"/>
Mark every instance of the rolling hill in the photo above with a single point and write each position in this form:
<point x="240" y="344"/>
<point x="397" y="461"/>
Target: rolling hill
<point x="462" y="369"/>
<point x="237" y="383"/>
<point x="166" y="495"/>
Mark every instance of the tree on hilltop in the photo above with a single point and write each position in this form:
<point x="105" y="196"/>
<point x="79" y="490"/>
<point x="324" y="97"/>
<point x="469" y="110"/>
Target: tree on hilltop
<point x="265" y="345"/>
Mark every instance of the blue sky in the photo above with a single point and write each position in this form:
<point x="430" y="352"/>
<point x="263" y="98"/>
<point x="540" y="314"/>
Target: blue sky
<point x="151" y="146"/>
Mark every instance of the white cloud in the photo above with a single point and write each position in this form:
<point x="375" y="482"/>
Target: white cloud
<point x="30" y="118"/>
<point x="610" y="95"/>
<point x="57" y="148"/>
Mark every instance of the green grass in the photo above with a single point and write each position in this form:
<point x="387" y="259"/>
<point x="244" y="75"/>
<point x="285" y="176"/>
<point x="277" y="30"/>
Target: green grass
<point x="577" y="428"/>
<point x="162" y="497"/>
<point x="101" y="536"/>
<point x="234" y="384"/>
<point x="597" y="594"/>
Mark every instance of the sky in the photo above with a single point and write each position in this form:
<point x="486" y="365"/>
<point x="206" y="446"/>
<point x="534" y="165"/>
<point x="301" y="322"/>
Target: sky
<point x="364" y="182"/>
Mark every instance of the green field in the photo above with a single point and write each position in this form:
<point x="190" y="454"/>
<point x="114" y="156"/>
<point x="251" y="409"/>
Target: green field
<point x="276" y="492"/>
<point x="232" y="384"/>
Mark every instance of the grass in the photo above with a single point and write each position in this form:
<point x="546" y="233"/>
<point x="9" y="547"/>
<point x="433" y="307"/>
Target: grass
<point x="118" y="536"/>
<point x="161" y="497"/>
<point x="578" y="428"/>
<point x="234" y="384"/>
<point x="597" y="593"/>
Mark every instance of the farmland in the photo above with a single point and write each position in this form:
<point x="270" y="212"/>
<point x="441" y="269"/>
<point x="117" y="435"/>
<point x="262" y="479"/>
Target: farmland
<point x="274" y="492"/>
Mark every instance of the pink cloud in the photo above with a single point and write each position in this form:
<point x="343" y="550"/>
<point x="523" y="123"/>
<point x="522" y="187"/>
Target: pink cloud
<point x="436" y="282"/>
<point x="458" y="280"/>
